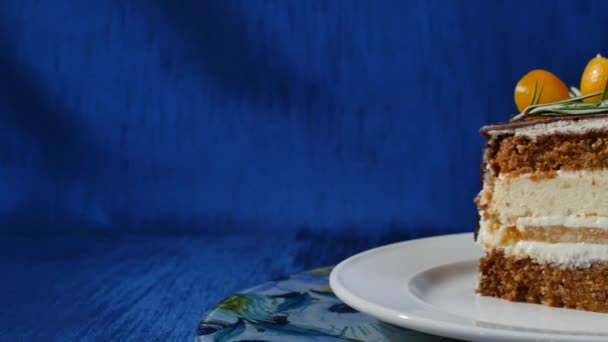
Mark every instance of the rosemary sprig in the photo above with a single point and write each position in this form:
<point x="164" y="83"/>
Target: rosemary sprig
<point x="533" y="99"/>
<point x="605" y="92"/>
<point x="571" y="106"/>
<point x="575" y="92"/>
<point x="535" y="96"/>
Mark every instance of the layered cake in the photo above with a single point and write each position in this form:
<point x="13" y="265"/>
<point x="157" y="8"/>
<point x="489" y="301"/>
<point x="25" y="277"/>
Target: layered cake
<point x="543" y="208"/>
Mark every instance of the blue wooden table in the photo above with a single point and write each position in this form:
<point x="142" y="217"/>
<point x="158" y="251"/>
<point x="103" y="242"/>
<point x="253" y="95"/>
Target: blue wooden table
<point x="92" y="288"/>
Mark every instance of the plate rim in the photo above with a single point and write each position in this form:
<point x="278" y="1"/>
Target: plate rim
<point x="432" y="326"/>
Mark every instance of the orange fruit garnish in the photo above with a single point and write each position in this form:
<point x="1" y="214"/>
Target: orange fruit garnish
<point x="594" y="77"/>
<point x="539" y="86"/>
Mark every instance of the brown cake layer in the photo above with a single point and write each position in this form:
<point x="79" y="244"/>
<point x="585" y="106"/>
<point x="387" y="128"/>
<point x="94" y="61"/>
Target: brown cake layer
<point x="524" y="280"/>
<point x="520" y="154"/>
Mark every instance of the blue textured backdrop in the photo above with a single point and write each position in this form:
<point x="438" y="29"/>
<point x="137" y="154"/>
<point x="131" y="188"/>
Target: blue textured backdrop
<point x="277" y="114"/>
<point x="242" y="117"/>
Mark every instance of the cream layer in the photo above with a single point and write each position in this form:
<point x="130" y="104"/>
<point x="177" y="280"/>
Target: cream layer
<point x="493" y="236"/>
<point x="569" y="193"/>
<point x="598" y="222"/>
<point x="564" y="254"/>
<point x="573" y="199"/>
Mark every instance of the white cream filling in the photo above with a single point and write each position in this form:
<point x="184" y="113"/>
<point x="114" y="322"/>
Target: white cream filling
<point x="598" y="222"/>
<point x="488" y="238"/>
<point x="566" y="254"/>
<point x="574" y="199"/>
<point x="581" y="193"/>
<point x="556" y="127"/>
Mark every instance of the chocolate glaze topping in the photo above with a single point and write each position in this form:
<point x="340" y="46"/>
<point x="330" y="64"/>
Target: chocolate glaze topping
<point x="485" y="130"/>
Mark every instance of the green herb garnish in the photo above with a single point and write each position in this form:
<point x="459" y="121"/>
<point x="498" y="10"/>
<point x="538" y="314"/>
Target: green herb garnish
<point x="571" y="106"/>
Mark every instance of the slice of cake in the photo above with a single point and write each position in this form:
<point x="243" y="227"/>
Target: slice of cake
<point x="543" y="208"/>
<point x="544" y="212"/>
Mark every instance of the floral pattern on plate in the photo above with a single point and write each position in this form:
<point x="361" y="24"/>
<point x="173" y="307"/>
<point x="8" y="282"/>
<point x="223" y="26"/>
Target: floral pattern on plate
<point x="299" y="308"/>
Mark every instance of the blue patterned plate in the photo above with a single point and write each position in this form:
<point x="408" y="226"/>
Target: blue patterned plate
<point x="299" y="308"/>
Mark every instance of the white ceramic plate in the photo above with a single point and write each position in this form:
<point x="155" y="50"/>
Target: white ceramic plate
<point x="428" y="285"/>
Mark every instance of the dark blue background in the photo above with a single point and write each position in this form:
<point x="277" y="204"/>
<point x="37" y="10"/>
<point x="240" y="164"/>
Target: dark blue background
<point x="159" y="154"/>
